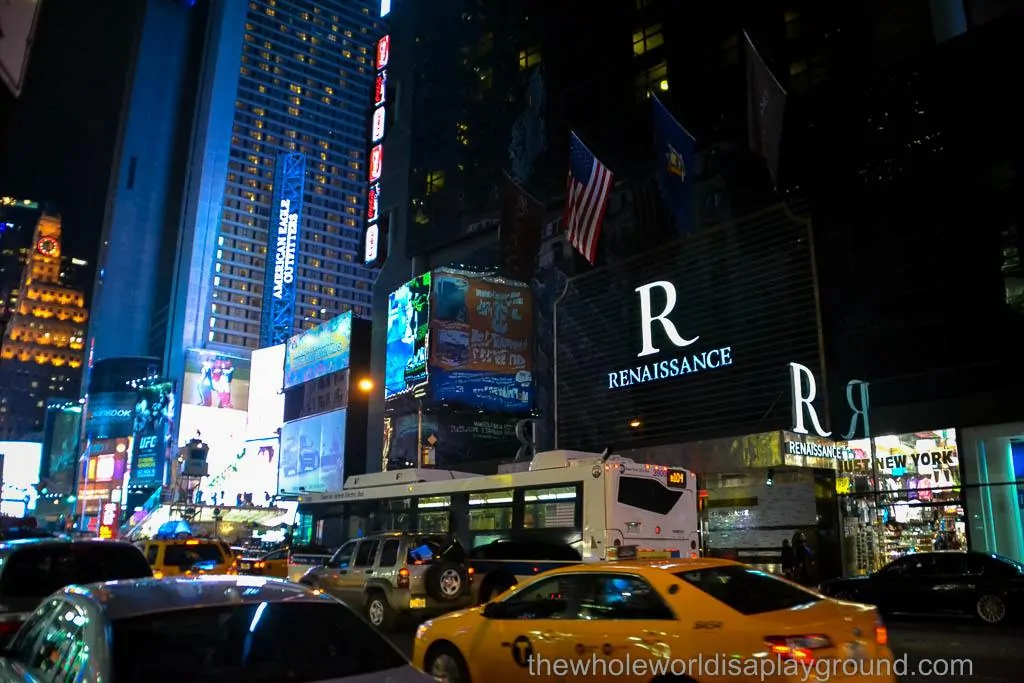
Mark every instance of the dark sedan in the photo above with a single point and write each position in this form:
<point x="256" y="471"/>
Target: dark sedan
<point x="988" y="587"/>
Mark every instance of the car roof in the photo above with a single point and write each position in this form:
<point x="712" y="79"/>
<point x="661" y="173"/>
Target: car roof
<point x="645" y="566"/>
<point x="136" y="597"/>
<point x="7" y="547"/>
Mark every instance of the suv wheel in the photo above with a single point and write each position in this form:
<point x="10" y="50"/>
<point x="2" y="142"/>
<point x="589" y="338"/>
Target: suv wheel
<point x="379" y="612"/>
<point x="446" y="581"/>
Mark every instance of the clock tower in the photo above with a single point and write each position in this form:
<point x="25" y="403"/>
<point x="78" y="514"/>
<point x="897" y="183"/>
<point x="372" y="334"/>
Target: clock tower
<point x="42" y="351"/>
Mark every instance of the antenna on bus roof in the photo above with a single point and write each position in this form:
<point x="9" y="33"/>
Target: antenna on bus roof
<point x="606" y="453"/>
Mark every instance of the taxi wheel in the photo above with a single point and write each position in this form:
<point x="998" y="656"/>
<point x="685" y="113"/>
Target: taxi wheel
<point x="991" y="609"/>
<point x="379" y="612"/>
<point x="445" y="663"/>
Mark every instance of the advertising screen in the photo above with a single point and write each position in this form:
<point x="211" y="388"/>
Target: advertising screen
<point x="266" y="400"/>
<point x="481" y="354"/>
<point x="690" y="341"/>
<point x="283" y="235"/>
<point x="242" y="478"/>
<point x="459" y="440"/>
<point x="64" y="448"/>
<point x="154" y="418"/>
<point x="408" y="336"/>
<point x="224" y="432"/>
<point x="318" y="352"/>
<point x="101" y="476"/>
<point x="20" y="462"/>
<point x="313" y="453"/>
<point x="215" y="380"/>
<point x="109" y="415"/>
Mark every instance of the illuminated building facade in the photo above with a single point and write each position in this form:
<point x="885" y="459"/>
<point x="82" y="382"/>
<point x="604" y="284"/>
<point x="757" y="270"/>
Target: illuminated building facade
<point x="43" y="344"/>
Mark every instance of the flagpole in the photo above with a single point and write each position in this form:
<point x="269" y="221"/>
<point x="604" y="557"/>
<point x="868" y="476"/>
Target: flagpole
<point x="554" y="365"/>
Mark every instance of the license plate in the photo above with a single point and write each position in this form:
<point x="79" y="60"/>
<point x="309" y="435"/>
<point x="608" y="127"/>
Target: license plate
<point x="245" y="565"/>
<point x="417" y="603"/>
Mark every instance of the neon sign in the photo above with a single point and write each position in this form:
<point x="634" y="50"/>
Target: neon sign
<point x="378" y="128"/>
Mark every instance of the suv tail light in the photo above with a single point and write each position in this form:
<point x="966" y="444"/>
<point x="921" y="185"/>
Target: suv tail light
<point x="403" y="577"/>
<point x="469" y="573"/>
<point x="799" y="648"/>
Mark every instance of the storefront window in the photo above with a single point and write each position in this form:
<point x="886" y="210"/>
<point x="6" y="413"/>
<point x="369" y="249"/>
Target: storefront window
<point x="899" y="495"/>
<point x="994" y="487"/>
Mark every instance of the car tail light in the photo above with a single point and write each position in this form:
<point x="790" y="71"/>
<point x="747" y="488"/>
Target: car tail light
<point x="259" y="565"/>
<point x="799" y="648"/>
<point x="881" y="632"/>
<point x="403" y="577"/>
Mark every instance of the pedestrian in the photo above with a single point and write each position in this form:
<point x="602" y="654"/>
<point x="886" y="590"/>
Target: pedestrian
<point x="804" y="560"/>
<point x="788" y="559"/>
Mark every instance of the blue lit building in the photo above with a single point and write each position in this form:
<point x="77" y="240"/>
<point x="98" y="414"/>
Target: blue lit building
<point x="219" y="90"/>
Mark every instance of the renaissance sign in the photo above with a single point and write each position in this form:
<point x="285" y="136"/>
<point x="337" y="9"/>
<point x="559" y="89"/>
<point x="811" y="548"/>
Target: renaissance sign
<point x="284" y="256"/>
<point x="805" y="390"/>
<point x="678" y="364"/>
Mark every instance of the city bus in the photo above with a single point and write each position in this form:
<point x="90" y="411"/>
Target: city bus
<point x="562" y="507"/>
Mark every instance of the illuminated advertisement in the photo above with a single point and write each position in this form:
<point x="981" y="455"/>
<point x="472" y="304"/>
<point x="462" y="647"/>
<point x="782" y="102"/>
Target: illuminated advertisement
<point x="215" y="380"/>
<point x="67" y="424"/>
<point x="101" y="475"/>
<point x="313" y="454"/>
<point x="408" y="336"/>
<point x="378" y="125"/>
<point x="278" y="319"/>
<point x="318" y="352"/>
<point x="223" y="431"/>
<point x="266" y="400"/>
<point x="241" y="476"/>
<point x="109" y="415"/>
<point x="110" y="515"/>
<point x="481" y="354"/>
<point x="19" y="463"/>
<point x="154" y="420"/>
<point x="457" y="439"/>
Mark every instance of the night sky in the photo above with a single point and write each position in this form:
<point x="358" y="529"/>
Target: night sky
<point x="61" y="132"/>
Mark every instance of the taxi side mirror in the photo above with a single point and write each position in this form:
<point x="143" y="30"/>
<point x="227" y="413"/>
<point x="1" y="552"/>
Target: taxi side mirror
<point x="494" y="610"/>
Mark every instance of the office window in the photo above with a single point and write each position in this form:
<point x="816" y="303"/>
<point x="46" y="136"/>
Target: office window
<point x="435" y="181"/>
<point x="529" y="57"/>
<point x="646" y="39"/>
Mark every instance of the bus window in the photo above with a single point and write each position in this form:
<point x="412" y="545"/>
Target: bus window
<point x="647" y="494"/>
<point x="490" y="511"/>
<point x="434" y="514"/>
<point x="551" y="508"/>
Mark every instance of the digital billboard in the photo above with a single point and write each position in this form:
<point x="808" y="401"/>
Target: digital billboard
<point x="101" y="474"/>
<point x="313" y="454"/>
<point x="458" y="439"/>
<point x="317" y="352"/>
<point x="154" y="423"/>
<point x="67" y="424"/>
<point x="109" y="415"/>
<point x="215" y="380"/>
<point x="378" y="122"/>
<point x="222" y="430"/>
<point x="19" y="463"/>
<point x="283" y="233"/>
<point x="241" y="477"/>
<point x="481" y="354"/>
<point x="408" y="336"/>
<point x="266" y="399"/>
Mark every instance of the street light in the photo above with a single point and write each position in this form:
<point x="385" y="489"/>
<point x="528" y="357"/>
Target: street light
<point x="365" y="385"/>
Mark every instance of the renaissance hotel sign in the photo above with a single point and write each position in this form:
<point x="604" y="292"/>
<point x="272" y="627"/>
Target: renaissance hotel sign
<point x="677" y="364"/>
<point x="687" y="341"/>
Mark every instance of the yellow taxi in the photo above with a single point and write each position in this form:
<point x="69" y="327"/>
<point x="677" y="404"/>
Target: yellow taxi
<point x="274" y="563"/>
<point x="189" y="557"/>
<point x="681" y="620"/>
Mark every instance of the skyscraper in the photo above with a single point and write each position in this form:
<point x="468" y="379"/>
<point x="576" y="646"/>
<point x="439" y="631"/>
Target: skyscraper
<point x="43" y="344"/>
<point x="221" y="93"/>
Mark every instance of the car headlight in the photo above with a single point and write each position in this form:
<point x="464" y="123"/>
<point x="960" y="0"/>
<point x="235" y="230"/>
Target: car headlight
<point x="421" y="632"/>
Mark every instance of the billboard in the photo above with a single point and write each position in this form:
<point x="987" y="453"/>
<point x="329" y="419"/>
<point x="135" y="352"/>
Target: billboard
<point x="17" y="28"/>
<point x="241" y="476"/>
<point x="408" y="336"/>
<point x="320" y="351"/>
<point x="19" y="463"/>
<point x="109" y="415"/>
<point x="215" y="380"/>
<point x="222" y="430"/>
<point x="458" y="439"/>
<point x="313" y="454"/>
<point x="154" y="421"/>
<point x="283" y="234"/>
<point x="481" y="354"/>
<point x="101" y="474"/>
<point x="67" y="424"/>
<point x="266" y="400"/>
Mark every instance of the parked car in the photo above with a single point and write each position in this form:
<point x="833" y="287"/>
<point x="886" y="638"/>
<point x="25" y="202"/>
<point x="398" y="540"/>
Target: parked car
<point x="948" y="582"/>
<point x="274" y="563"/>
<point x="31" y="569"/>
<point x="206" y="629"/>
<point x="302" y="558"/>
<point x="397" y="574"/>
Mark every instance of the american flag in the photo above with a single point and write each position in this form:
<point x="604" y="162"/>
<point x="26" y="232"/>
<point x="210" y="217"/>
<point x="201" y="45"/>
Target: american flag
<point x="589" y="184"/>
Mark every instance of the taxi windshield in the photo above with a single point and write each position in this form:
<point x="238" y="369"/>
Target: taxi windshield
<point x="748" y="591"/>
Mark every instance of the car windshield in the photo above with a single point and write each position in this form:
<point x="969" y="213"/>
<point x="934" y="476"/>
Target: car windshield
<point x="748" y="591"/>
<point x="297" y="642"/>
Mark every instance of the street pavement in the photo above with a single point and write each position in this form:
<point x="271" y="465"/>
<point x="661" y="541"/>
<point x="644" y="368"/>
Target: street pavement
<point x="994" y="655"/>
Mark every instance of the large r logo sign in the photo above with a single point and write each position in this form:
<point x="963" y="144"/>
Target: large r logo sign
<point x="647" y="318"/>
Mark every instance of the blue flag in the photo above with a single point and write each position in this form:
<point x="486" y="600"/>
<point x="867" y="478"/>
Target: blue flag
<point x="674" y="148"/>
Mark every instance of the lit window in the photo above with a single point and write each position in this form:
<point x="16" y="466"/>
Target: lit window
<point x="435" y="181"/>
<point x="647" y="39"/>
<point x="529" y="57"/>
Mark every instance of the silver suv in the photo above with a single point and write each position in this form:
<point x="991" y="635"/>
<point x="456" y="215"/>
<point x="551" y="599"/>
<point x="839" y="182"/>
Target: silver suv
<point x="397" y="574"/>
